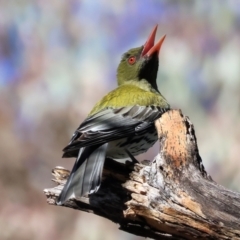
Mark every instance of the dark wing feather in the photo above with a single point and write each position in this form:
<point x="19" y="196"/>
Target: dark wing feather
<point x="111" y="124"/>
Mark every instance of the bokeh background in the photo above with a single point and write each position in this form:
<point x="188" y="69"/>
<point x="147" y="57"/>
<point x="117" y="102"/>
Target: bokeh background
<point x="57" y="58"/>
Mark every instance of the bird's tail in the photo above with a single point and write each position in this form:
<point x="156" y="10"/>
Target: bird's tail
<point x="86" y="174"/>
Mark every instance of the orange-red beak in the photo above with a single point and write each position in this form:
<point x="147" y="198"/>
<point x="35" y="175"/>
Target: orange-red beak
<point x="149" y="48"/>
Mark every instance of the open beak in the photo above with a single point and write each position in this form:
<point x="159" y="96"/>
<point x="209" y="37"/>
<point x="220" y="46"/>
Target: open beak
<point x="149" y="48"/>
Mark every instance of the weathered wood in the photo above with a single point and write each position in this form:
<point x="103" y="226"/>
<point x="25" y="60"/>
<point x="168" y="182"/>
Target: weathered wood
<point x="171" y="198"/>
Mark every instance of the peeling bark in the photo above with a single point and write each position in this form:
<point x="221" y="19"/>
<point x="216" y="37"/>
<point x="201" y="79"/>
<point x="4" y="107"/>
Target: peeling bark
<point x="171" y="198"/>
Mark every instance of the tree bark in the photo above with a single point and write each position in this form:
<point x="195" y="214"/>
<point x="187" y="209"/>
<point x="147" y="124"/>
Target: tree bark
<point x="171" y="198"/>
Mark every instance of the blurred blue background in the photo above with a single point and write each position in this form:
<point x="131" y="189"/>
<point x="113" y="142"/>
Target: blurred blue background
<point x="57" y="58"/>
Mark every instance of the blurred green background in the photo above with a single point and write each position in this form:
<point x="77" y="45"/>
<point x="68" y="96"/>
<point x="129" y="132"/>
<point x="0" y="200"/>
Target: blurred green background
<point x="57" y="58"/>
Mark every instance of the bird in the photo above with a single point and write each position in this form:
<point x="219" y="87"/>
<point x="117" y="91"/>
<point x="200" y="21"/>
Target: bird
<point x="121" y="125"/>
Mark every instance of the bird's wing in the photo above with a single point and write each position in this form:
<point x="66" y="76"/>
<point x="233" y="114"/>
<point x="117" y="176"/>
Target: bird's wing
<point x="112" y="124"/>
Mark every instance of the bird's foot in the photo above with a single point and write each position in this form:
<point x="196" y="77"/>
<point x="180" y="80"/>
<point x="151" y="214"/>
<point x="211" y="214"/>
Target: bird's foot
<point x="146" y="162"/>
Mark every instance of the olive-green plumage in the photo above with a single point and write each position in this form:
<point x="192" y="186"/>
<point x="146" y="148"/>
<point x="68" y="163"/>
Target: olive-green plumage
<point x="121" y="125"/>
<point x="135" y="87"/>
<point x="131" y="93"/>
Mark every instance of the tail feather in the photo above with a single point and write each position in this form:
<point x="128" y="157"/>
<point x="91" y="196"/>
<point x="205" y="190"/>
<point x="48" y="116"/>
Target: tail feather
<point x="93" y="171"/>
<point x="85" y="176"/>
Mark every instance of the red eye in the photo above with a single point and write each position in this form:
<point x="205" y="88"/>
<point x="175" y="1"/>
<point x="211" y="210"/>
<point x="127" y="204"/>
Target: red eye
<point x="132" y="60"/>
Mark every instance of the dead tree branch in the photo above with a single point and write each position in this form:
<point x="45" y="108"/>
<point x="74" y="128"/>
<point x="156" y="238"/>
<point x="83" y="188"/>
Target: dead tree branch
<point x="171" y="198"/>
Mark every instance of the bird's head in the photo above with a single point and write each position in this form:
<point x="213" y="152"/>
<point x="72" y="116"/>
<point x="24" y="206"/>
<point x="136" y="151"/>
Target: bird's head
<point x="141" y="63"/>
